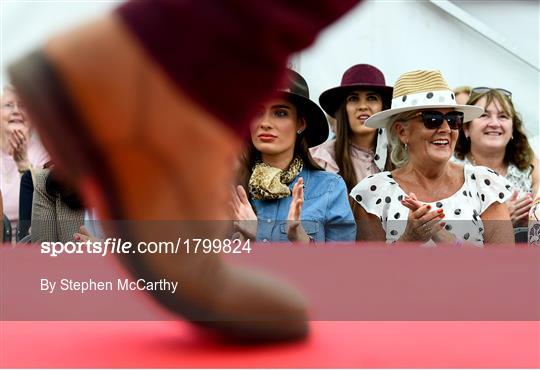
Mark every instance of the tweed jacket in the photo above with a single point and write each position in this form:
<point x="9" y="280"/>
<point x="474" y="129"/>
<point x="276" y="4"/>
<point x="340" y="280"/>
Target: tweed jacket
<point x="52" y="220"/>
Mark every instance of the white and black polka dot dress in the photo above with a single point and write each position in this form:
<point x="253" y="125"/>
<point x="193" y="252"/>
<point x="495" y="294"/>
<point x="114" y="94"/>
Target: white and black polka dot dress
<point x="380" y="194"/>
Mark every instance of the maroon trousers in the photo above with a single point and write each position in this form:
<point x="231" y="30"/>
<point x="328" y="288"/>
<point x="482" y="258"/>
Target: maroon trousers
<point x="228" y="54"/>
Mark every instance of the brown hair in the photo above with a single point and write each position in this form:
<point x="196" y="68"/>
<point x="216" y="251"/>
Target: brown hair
<point x="342" y="146"/>
<point x="251" y="155"/>
<point x="518" y="150"/>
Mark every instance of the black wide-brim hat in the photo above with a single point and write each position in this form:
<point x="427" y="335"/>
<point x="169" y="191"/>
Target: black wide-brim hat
<point x="357" y="77"/>
<point x="297" y="92"/>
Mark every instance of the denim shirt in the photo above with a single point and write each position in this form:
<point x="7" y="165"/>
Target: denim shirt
<point x="326" y="212"/>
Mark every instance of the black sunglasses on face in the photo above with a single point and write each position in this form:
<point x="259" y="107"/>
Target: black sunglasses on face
<point x="434" y="119"/>
<point x="481" y="90"/>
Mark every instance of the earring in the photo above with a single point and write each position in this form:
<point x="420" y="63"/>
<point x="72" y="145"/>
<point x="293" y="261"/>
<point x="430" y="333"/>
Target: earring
<point x="299" y="132"/>
<point x="406" y="147"/>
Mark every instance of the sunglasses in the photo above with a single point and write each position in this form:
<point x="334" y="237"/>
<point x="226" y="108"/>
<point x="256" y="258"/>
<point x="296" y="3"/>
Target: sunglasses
<point x="434" y="119"/>
<point x="482" y="90"/>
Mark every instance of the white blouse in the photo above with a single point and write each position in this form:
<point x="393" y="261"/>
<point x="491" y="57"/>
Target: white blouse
<point x="521" y="180"/>
<point x="381" y="195"/>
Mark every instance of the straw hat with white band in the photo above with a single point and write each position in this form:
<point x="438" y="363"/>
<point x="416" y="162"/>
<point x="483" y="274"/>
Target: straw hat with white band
<point x="418" y="90"/>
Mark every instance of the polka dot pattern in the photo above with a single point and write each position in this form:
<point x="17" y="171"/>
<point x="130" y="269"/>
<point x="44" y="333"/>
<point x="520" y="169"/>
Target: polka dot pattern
<point x="517" y="179"/>
<point x="424" y="98"/>
<point x="381" y="195"/>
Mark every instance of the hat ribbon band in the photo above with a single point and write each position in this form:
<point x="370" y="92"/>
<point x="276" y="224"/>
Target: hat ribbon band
<point x="435" y="98"/>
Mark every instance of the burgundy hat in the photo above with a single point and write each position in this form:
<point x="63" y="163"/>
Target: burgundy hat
<point x="359" y="76"/>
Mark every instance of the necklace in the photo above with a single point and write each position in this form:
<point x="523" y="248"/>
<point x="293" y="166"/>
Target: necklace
<point x="501" y="170"/>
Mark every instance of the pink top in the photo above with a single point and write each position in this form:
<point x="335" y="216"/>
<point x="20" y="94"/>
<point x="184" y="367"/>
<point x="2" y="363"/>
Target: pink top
<point x="363" y="161"/>
<point x="10" y="178"/>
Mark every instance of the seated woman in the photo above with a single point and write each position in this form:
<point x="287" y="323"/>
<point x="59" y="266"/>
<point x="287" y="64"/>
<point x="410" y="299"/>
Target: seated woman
<point x="497" y="140"/>
<point x="20" y="151"/>
<point x="26" y="194"/>
<point x="291" y="197"/>
<point x="428" y="198"/>
<point x="534" y="222"/>
<point x="57" y="211"/>
<point x="357" y="151"/>
<point x="2" y="213"/>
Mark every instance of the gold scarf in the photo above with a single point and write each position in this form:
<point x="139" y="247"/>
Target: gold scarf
<point x="268" y="182"/>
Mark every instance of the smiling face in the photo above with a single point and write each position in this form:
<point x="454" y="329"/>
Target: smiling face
<point x="14" y="115"/>
<point x="362" y="104"/>
<point x="427" y="145"/>
<point x="492" y="130"/>
<point x="274" y="130"/>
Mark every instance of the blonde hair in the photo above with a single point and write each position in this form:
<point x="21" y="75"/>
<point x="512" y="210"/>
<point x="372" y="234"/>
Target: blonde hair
<point x="8" y="87"/>
<point x="463" y="89"/>
<point x="398" y="154"/>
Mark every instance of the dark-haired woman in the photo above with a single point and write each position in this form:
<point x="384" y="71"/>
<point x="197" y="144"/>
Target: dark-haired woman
<point x="57" y="211"/>
<point x="290" y="197"/>
<point x="497" y="140"/>
<point x="357" y="151"/>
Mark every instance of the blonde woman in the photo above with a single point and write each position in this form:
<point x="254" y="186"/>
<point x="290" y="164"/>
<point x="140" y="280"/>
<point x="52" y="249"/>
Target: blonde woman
<point x="428" y="198"/>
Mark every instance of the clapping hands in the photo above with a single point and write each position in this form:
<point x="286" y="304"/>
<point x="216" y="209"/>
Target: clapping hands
<point x="246" y="219"/>
<point x="519" y="208"/>
<point x="295" y="230"/>
<point x="422" y="223"/>
<point x="18" y="147"/>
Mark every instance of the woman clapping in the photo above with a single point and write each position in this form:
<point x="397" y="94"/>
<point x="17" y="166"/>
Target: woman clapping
<point x="428" y="198"/>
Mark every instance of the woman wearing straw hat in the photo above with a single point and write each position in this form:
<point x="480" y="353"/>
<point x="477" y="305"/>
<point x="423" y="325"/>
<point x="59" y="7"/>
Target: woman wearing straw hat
<point x="428" y="198"/>
<point x="291" y="197"/>
<point x="357" y="151"/>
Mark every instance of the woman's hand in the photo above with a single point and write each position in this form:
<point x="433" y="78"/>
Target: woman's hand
<point x="84" y="235"/>
<point x="246" y="219"/>
<point x="295" y="230"/>
<point x="519" y="209"/>
<point x="18" y="142"/>
<point x="422" y="224"/>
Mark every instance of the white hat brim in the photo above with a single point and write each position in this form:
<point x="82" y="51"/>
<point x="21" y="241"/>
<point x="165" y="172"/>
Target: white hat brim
<point x="382" y="119"/>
